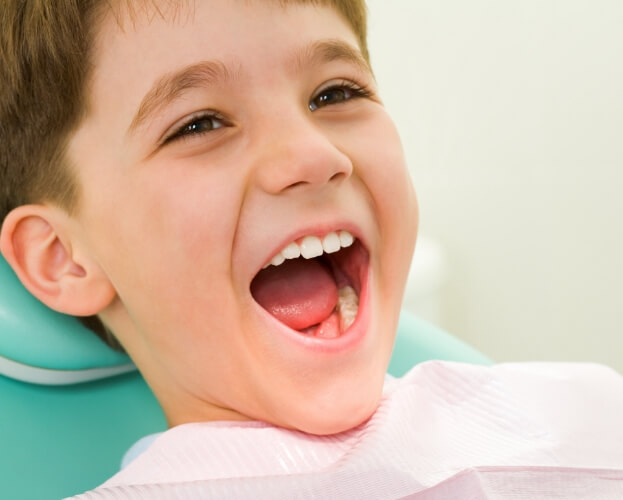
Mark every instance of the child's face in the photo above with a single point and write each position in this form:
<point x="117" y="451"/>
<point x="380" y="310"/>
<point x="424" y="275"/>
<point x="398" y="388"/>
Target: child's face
<point x="216" y="136"/>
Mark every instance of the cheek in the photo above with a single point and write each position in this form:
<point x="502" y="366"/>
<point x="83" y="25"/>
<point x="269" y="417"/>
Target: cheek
<point x="389" y="169"/>
<point x="166" y="238"/>
<point x="380" y="162"/>
<point x="383" y="170"/>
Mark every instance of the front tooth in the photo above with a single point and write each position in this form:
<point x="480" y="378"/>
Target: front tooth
<point x="331" y="243"/>
<point x="311" y="247"/>
<point x="292" y="251"/>
<point x="278" y="259"/>
<point x="346" y="239"/>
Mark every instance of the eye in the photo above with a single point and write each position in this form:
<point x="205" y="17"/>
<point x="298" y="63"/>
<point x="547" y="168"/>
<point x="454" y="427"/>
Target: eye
<point x="337" y="94"/>
<point x="197" y="124"/>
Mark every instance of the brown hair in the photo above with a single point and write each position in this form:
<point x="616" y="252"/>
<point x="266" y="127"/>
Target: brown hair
<point x="45" y="48"/>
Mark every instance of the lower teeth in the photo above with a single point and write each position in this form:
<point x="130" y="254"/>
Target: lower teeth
<point x="347" y="306"/>
<point x="346" y="309"/>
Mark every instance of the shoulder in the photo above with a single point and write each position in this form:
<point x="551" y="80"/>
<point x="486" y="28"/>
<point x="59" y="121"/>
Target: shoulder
<point x="560" y="397"/>
<point x="138" y="448"/>
<point x="446" y="374"/>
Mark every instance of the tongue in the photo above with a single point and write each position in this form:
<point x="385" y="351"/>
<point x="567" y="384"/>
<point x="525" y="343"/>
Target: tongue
<point x="299" y="293"/>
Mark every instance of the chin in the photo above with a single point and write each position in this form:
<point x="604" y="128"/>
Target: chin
<point x="340" y="415"/>
<point x="342" y="421"/>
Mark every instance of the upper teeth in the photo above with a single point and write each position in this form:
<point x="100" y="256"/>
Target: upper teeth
<point x="313" y="246"/>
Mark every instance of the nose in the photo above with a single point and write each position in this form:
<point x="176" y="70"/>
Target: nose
<point x="298" y="154"/>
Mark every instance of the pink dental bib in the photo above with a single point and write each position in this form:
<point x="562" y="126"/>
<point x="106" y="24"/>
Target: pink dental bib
<point x="444" y="431"/>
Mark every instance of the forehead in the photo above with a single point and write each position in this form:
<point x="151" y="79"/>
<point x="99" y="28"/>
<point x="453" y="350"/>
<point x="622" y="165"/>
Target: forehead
<point x="157" y="28"/>
<point x="132" y="15"/>
<point x="137" y="44"/>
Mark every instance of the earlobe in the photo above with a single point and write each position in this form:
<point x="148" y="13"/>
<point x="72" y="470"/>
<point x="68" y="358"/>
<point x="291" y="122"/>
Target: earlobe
<point x="36" y="241"/>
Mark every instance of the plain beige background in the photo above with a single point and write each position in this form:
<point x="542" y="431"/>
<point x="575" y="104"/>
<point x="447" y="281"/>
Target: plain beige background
<point x="512" y="117"/>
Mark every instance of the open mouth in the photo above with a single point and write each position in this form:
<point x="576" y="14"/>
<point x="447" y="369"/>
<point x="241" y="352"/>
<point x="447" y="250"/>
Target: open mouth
<point x="313" y="285"/>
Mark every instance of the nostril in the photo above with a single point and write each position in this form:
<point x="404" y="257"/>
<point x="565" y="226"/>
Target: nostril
<point x="335" y="177"/>
<point x="296" y="184"/>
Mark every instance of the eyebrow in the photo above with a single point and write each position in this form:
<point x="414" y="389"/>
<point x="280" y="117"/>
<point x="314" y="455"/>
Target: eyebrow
<point x="171" y="86"/>
<point x="326" y="51"/>
<point x="206" y="73"/>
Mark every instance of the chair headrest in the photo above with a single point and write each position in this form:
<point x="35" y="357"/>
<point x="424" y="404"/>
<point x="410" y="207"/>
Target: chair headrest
<point x="41" y="346"/>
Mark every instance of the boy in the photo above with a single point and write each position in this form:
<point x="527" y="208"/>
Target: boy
<point x="194" y="166"/>
<point x="228" y="197"/>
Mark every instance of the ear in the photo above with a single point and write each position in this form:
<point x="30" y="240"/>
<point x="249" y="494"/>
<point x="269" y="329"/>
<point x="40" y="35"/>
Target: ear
<point x="37" y="242"/>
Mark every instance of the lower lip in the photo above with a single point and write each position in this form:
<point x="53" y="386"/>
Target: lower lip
<point x="347" y="341"/>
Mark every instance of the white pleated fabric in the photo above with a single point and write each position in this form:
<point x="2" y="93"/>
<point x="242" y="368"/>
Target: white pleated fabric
<point x="445" y="431"/>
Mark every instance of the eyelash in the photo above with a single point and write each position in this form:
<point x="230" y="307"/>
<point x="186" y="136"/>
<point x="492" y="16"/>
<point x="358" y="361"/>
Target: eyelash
<point x="183" y="132"/>
<point x="355" y="91"/>
<point x="349" y="91"/>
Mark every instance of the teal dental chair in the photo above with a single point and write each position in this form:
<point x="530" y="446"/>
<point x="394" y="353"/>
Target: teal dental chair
<point x="70" y="406"/>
